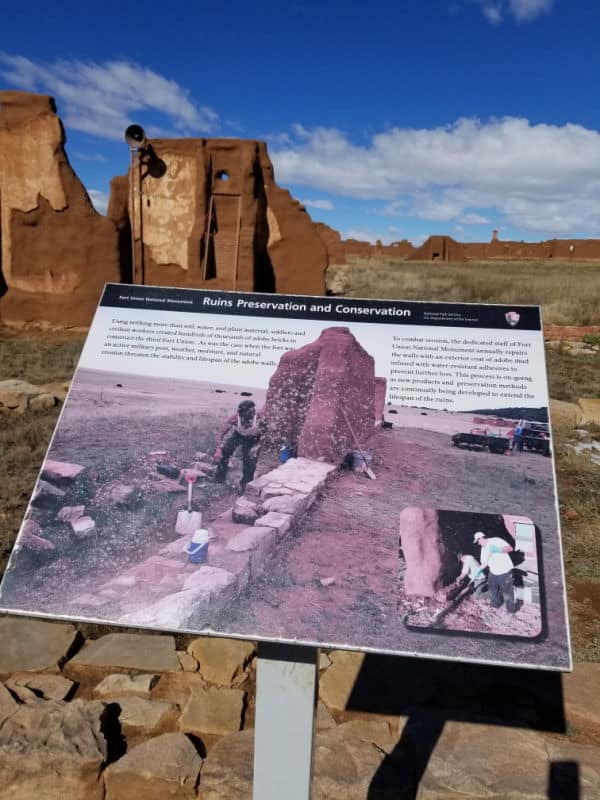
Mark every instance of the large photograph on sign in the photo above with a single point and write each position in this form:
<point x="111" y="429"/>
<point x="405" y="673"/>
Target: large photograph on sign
<point x="383" y="486"/>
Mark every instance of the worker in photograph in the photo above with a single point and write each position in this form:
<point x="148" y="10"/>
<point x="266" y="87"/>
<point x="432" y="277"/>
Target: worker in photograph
<point x="495" y="556"/>
<point x="517" y="441"/>
<point x="472" y="574"/>
<point x="244" y="429"/>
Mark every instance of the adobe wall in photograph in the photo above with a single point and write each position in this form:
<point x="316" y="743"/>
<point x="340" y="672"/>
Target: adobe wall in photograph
<point x="208" y="212"/>
<point x="322" y="395"/>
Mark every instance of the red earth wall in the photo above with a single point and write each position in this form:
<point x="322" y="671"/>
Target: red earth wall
<point x="206" y="213"/>
<point x="56" y="251"/>
<point x="380" y="390"/>
<point x="422" y="547"/>
<point x="314" y="387"/>
<point x="447" y="250"/>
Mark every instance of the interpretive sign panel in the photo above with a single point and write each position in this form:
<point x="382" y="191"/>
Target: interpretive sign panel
<point x="363" y="474"/>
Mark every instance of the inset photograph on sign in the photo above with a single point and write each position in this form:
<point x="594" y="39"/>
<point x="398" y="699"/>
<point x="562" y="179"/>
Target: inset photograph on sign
<point x="467" y="572"/>
<point x="328" y="472"/>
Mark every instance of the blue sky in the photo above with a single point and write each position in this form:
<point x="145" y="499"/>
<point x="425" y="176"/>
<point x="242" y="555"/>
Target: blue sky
<point x="389" y="120"/>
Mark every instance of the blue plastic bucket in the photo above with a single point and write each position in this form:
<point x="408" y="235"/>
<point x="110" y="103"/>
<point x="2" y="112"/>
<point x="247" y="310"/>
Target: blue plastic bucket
<point x="197" y="553"/>
<point x="197" y="549"/>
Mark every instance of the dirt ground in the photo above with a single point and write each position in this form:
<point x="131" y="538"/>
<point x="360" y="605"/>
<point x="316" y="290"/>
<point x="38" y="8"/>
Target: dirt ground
<point x="110" y="425"/>
<point x="336" y="580"/>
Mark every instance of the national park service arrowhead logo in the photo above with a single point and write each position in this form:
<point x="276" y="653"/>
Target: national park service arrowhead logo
<point x="512" y="317"/>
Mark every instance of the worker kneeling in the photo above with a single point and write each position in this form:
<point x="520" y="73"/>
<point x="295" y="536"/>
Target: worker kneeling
<point x="245" y="429"/>
<point x="472" y="577"/>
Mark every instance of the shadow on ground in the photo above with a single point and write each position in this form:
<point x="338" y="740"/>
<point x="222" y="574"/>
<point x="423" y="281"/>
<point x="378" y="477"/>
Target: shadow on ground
<point x="431" y="693"/>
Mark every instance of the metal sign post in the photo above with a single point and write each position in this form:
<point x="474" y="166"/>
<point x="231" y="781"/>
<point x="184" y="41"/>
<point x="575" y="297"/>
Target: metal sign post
<point x="286" y="698"/>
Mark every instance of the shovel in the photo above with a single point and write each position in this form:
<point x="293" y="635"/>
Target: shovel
<point x="188" y="521"/>
<point x="366" y="467"/>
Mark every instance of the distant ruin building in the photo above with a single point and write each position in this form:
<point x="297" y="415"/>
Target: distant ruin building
<point x="314" y="387"/>
<point x="338" y="249"/>
<point x="205" y="213"/>
<point x="446" y="250"/>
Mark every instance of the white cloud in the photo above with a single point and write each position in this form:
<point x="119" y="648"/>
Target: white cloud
<point x="495" y="11"/>
<point x="361" y="235"/>
<point x="526" y="10"/>
<point x="103" y="99"/>
<point x="474" y="219"/>
<point x="323" y="205"/>
<point x="541" y="178"/>
<point x="492" y="12"/>
<point x="99" y="200"/>
<point x="368" y="235"/>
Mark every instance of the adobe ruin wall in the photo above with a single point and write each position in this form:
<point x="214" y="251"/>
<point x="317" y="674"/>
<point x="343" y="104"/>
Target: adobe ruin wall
<point x="208" y="212"/>
<point x="324" y="394"/>
<point x="447" y="250"/>
<point x="56" y="251"/>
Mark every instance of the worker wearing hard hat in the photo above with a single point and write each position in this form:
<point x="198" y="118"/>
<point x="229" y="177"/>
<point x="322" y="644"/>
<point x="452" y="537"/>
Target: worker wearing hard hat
<point x="495" y="556"/>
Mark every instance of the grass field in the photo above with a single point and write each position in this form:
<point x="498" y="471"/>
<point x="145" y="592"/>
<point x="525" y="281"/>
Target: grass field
<point x="569" y="293"/>
<point x="571" y="375"/>
<point x="38" y="356"/>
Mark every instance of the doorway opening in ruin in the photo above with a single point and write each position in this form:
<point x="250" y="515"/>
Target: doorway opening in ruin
<point x="435" y="256"/>
<point x="222" y="237"/>
<point x="125" y="254"/>
<point x="264" y="275"/>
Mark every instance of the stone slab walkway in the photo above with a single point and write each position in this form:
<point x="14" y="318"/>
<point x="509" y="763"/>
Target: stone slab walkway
<point x="166" y="589"/>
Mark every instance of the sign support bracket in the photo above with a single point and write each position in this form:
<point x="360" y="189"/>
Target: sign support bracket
<point x="286" y="699"/>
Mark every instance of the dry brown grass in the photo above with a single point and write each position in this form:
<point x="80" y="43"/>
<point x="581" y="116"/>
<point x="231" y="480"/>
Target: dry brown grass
<point x="579" y="493"/>
<point x="38" y="357"/>
<point x="23" y="442"/>
<point x="572" y="375"/>
<point x="569" y="293"/>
